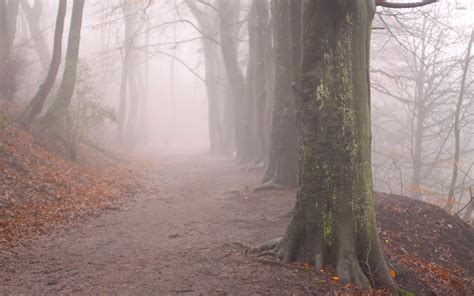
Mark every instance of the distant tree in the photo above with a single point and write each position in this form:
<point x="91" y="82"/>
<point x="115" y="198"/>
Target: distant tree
<point x="207" y="16"/>
<point x="58" y="111"/>
<point x="457" y="123"/>
<point x="33" y="16"/>
<point x="8" y="66"/>
<point x="281" y="168"/>
<point x="35" y="106"/>
<point x="229" y="14"/>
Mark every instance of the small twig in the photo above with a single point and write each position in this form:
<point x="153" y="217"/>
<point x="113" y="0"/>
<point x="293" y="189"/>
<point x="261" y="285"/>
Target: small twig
<point x="268" y="253"/>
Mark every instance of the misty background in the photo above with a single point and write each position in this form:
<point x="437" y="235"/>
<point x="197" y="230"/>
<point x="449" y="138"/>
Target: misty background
<point x="417" y="68"/>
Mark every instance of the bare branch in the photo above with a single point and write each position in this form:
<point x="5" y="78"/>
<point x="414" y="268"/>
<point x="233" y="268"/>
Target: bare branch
<point x="384" y="3"/>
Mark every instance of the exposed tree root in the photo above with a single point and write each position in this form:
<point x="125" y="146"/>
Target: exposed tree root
<point x="266" y="247"/>
<point x="348" y="267"/>
<point x="349" y="271"/>
<point x="270" y="185"/>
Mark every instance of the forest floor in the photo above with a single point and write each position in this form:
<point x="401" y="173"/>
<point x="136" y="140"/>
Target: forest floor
<point x="175" y="236"/>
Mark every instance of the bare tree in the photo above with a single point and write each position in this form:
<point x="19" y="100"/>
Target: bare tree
<point x="35" y="106"/>
<point x="281" y="168"/>
<point x="33" y="16"/>
<point x="229" y="14"/>
<point x="8" y="67"/>
<point x="457" y="126"/>
<point x="57" y="112"/>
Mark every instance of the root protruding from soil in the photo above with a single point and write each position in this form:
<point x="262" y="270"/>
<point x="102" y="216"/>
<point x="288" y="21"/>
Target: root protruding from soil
<point x="269" y="185"/>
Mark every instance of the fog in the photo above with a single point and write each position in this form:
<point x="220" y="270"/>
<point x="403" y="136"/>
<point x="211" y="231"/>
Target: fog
<point x="165" y="41"/>
<point x="236" y="147"/>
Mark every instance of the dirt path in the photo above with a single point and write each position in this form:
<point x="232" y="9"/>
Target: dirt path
<point x="173" y="239"/>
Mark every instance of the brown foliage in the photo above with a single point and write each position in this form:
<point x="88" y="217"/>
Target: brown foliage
<point x="40" y="189"/>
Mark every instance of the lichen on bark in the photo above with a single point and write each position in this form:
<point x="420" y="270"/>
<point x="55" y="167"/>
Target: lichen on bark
<point x="334" y="222"/>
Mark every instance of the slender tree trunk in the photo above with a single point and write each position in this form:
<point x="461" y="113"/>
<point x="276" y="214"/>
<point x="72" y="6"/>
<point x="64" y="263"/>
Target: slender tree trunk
<point x="228" y="13"/>
<point x="250" y="140"/>
<point x="144" y="94"/>
<point x="33" y="15"/>
<point x="57" y="112"/>
<point x="457" y="128"/>
<point x="12" y="9"/>
<point x="35" y="106"/>
<point x="8" y="69"/>
<point x="122" y="98"/>
<point x="127" y="76"/>
<point x="468" y="212"/>
<point x="208" y="20"/>
<point x="130" y="19"/>
<point x="419" y="114"/>
<point x="270" y="79"/>
<point x="261" y="83"/>
<point x="334" y="220"/>
<point x="282" y="167"/>
<point x="4" y="49"/>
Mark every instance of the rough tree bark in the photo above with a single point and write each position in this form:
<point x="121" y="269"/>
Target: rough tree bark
<point x="457" y="128"/>
<point x="334" y="220"/>
<point x="281" y="170"/>
<point x="56" y="113"/>
<point x="35" y="106"/>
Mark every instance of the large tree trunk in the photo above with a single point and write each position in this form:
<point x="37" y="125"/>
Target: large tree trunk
<point x="35" y="106"/>
<point x="57" y="112"/>
<point x="33" y="15"/>
<point x="281" y="169"/>
<point x="334" y="222"/>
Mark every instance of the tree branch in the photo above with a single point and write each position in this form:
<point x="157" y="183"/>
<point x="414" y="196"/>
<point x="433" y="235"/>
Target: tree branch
<point x="384" y="3"/>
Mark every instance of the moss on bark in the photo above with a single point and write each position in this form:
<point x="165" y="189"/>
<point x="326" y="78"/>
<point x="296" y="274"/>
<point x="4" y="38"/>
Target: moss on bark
<point x="334" y="222"/>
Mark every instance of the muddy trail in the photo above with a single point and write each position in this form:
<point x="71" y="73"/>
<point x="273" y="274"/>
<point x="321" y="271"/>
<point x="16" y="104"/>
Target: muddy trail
<point x="176" y="238"/>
